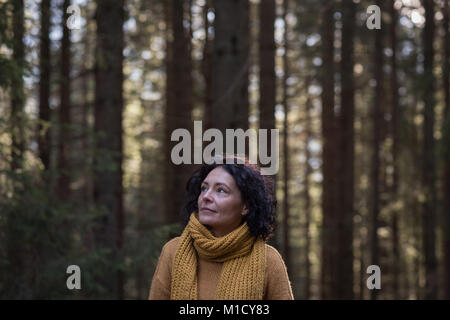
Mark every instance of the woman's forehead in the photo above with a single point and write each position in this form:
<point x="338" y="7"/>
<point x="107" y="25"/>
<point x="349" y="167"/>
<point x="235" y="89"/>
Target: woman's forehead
<point x="220" y="175"/>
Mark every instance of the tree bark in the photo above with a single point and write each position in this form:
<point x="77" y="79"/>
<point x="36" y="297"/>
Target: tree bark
<point x="64" y="137"/>
<point x="230" y="65"/>
<point x="206" y="65"/>
<point x="347" y="154"/>
<point x="307" y="196"/>
<point x="268" y="117"/>
<point x="108" y="189"/>
<point x="86" y="112"/>
<point x="446" y="139"/>
<point x="395" y="146"/>
<point x="44" y="87"/>
<point x="17" y="90"/>
<point x="267" y="78"/>
<point x="179" y="106"/>
<point x="429" y="166"/>
<point x="376" y="138"/>
<point x="329" y="156"/>
<point x="16" y="255"/>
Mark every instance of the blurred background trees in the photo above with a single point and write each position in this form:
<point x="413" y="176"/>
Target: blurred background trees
<point x="86" y="115"/>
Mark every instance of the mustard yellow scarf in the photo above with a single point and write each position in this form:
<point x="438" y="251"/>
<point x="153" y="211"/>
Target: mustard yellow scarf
<point x="244" y="259"/>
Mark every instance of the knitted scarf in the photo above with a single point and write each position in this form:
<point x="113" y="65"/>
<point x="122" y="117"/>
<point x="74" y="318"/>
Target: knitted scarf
<point x="243" y="257"/>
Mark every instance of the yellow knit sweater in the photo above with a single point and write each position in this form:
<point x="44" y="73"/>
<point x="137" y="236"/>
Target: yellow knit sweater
<point x="276" y="281"/>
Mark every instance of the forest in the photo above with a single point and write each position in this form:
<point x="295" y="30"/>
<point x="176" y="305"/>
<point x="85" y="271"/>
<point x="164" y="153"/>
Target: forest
<point x="92" y="90"/>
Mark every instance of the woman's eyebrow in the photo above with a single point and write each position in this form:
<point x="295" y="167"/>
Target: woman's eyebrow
<point x="217" y="184"/>
<point x="222" y="184"/>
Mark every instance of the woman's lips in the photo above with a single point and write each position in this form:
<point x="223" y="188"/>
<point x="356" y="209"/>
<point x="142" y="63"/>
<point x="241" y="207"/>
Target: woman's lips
<point x="206" y="210"/>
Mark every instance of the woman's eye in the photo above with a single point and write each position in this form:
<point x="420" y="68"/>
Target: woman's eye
<point x="203" y="189"/>
<point x="221" y="190"/>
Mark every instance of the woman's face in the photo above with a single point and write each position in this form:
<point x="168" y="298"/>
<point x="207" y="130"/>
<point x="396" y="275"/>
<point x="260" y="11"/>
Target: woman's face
<point x="220" y="204"/>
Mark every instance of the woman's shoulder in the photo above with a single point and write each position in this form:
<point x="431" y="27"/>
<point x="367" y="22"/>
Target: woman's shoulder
<point x="274" y="259"/>
<point x="272" y="252"/>
<point x="168" y="251"/>
<point x="278" y="286"/>
<point x="171" y="246"/>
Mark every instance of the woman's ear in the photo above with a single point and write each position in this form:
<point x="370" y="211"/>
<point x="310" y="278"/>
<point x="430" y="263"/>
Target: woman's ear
<point x="245" y="210"/>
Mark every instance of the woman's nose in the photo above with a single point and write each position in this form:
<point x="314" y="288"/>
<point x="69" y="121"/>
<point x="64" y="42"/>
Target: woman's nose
<point x="207" y="196"/>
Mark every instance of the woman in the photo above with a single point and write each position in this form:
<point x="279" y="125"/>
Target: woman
<point x="222" y="254"/>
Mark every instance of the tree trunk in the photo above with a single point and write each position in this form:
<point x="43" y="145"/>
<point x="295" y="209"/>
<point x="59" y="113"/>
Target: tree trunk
<point x="179" y="106"/>
<point x="108" y="189"/>
<point x="44" y="88"/>
<point x="16" y="255"/>
<point x="428" y="165"/>
<point x="329" y="156"/>
<point x="417" y="269"/>
<point x="307" y="196"/>
<point x="86" y="160"/>
<point x="64" y="137"/>
<point x="362" y="256"/>
<point x="267" y="111"/>
<point x="206" y="65"/>
<point x="267" y="84"/>
<point x="86" y="111"/>
<point x="446" y="139"/>
<point x="395" y="144"/>
<point x="347" y="154"/>
<point x="376" y="138"/>
<point x="17" y="90"/>
<point x="230" y="65"/>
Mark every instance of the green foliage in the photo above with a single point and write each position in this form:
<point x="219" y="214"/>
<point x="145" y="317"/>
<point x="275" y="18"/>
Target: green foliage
<point x="141" y="256"/>
<point x="8" y="71"/>
<point x="32" y="241"/>
<point x="39" y="238"/>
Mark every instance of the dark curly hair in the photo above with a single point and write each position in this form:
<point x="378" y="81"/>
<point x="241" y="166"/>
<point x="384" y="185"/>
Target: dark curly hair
<point x="257" y="192"/>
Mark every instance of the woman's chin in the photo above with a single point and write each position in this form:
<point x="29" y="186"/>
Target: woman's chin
<point x="205" y="219"/>
<point x="202" y="218"/>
